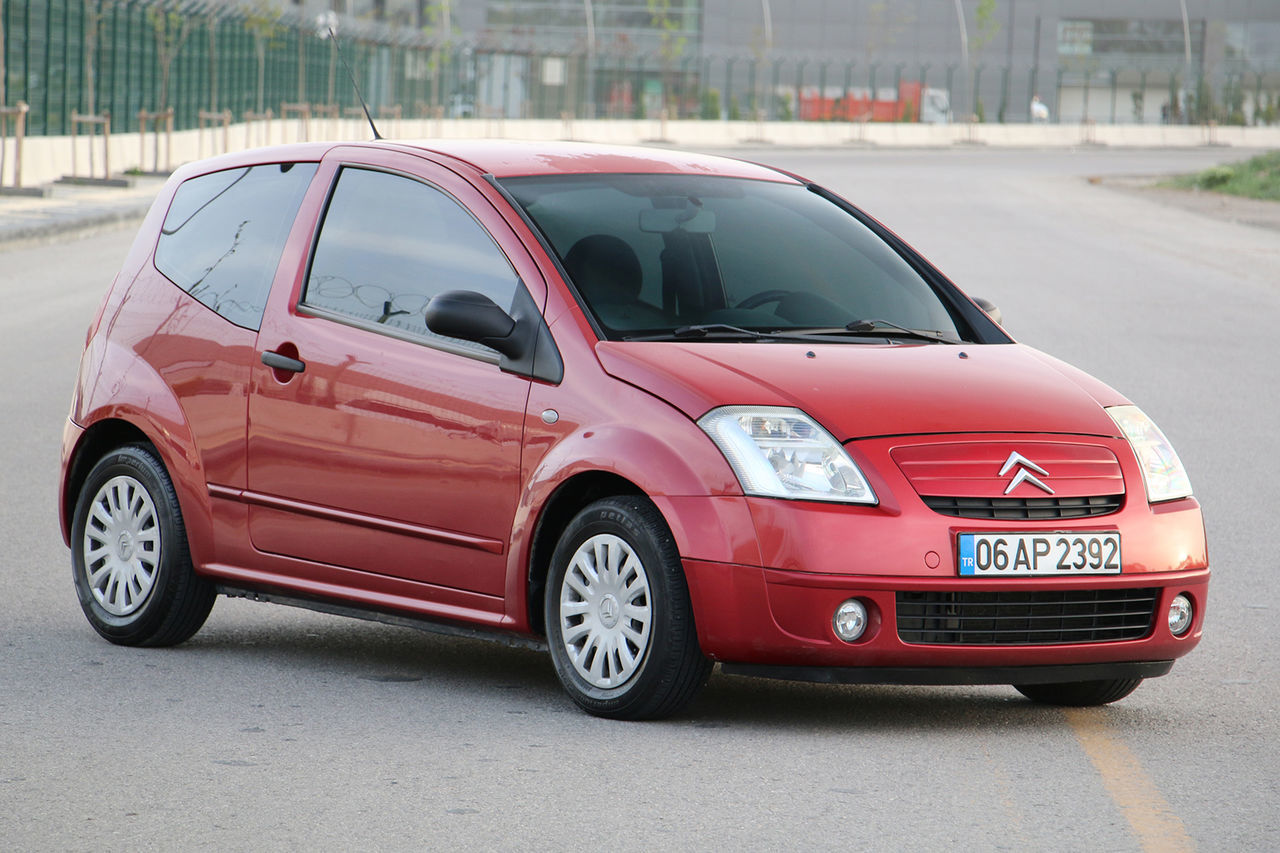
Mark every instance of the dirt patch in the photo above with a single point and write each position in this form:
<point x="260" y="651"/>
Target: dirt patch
<point x="1245" y="211"/>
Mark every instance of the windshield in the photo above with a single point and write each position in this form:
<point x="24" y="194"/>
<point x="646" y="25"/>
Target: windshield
<point x="653" y="255"/>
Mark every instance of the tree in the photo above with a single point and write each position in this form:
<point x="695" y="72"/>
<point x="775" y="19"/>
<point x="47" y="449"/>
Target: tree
<point x="988" y="26"/>
<point x="1202" y="107"/>
<point x="213" y="16"/>
<point x="987" y="29"/>
<point x="671" y="38"/>
<point x="171" y="31"/>
<point x="881" y="31"/>
<point x="2" y="71"/>
<point x="435" y="18"/>
<point x="263" y="23"/>
<point x="711" y="103"/>
<point x="94" y="10"/>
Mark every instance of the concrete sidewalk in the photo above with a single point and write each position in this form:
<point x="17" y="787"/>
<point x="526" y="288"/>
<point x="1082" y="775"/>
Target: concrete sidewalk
<point x="73" y="210"/>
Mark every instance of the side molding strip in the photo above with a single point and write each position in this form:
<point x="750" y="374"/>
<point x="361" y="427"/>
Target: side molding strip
<point x="244" y="496"/>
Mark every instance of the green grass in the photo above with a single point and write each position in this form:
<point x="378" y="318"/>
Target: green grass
<point x="1257" y="178"/>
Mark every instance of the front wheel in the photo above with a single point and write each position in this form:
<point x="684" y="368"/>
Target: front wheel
<point x="618" y="616"/>
<point x="129" y="554"/>
<point x="1080" y="694"/>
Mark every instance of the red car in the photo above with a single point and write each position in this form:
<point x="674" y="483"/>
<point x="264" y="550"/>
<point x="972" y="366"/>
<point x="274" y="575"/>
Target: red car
<point x="650" y="410"/>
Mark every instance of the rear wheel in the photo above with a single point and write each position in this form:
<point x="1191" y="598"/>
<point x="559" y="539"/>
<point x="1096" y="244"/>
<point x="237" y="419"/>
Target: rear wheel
<point x="129" y="554"/>
<point x="618" y="616"/>
<point x="1080" y="693"/>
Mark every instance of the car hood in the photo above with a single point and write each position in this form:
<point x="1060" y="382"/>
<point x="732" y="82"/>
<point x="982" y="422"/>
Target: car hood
<point x="864" y="390"/>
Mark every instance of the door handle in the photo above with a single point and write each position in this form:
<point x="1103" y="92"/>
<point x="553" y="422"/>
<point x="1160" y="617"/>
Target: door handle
<point x="276" y="361"/>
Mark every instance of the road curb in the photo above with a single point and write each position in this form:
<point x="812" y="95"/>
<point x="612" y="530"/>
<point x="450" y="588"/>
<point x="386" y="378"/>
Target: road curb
<point x="43" y="234"/>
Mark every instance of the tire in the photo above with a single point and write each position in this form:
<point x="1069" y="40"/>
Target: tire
<point x="129" y="555"/>
<point x="1079" y="694"/>
<point x="623" y="639"/>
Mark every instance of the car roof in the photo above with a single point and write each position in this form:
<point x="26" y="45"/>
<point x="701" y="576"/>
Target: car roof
<point x="512" y="158"/>
<point x="505" y="158"/>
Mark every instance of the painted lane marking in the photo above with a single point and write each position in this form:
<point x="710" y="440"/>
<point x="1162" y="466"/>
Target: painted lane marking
<point x="1149" y="814"/>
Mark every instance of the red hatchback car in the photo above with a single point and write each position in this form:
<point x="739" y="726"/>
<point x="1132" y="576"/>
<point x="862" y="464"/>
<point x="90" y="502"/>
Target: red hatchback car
<point x="650" y="410"/>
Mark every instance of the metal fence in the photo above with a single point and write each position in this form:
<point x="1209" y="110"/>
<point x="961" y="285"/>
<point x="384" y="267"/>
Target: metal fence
<point x="80" y="57"/>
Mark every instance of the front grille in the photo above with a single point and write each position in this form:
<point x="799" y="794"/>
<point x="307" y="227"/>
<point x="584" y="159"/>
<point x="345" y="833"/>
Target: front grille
<point x="1025" y="618"/>
<point x="1025" y="509"/>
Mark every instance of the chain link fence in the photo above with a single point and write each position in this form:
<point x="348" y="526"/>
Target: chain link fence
<point x="67" y="58"/>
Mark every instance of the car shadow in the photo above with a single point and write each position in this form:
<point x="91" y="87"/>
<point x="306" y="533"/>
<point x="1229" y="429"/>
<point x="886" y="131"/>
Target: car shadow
<point x="731" y="700"/>
<point x="365" y="651"/>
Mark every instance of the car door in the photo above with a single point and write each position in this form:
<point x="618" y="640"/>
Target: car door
<point x="374" y="444"/>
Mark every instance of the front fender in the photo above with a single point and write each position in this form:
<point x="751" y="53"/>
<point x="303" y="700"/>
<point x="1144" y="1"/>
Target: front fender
<point x="656" y="451"/>
<point x="703" y="505"/>
<point x="674" y="460"/>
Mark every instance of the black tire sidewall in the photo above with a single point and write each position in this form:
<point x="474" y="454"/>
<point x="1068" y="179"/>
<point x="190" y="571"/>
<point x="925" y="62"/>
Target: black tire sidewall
<point x="1080" y="694"/>
<point x="638" y="523"/>
<point x="173" y="568"/>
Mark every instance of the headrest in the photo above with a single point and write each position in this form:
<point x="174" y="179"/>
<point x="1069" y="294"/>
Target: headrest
<point x="604" y="269"/>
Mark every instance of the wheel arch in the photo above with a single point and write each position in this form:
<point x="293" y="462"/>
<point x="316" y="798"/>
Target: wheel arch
<point x="172" y="445"/>
<point x="96" y="441"/>
<point x="569" y="498"/>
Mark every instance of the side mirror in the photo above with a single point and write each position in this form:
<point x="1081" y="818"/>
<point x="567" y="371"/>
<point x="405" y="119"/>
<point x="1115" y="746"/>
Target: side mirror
<point x="990" y="307"/>
<point x="521" y="337"/>
<point x="472" y="316"/>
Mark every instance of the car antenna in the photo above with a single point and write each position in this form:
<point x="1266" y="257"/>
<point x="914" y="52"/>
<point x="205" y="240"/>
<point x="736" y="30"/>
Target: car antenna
<point x="354" y="84"/>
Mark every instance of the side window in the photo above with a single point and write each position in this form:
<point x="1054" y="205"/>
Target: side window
<point x="390" y="243"/>
<point x="224" y="233"/>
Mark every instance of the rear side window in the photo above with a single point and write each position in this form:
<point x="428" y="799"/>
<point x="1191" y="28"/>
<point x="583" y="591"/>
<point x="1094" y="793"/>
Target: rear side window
<point x="224" y="234"/>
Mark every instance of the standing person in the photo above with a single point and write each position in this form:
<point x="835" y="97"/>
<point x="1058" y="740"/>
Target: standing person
<point x="1039" y="112"/>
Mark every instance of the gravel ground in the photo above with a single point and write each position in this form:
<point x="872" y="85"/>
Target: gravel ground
<point x="1245" y="211"/>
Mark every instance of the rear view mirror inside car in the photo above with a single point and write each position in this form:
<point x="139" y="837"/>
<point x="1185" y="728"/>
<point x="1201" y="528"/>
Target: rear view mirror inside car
<point x="691" y="220"/>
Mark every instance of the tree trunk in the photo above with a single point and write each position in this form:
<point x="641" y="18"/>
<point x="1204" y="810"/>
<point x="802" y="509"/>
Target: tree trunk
<point x="213" y="64"/>
<point x="262" y="69"/>
<point x="2" y="71"/>
<point x="92" y="16"/>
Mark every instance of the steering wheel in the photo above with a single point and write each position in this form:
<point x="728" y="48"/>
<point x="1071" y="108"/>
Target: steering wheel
<point x="755" y="300"/>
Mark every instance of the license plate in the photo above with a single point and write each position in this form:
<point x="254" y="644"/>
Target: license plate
<point x="1009" y="554"/>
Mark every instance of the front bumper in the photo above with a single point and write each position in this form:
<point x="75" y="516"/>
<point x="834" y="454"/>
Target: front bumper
<point x="775" y="615"/>
<point x="774" y="618"/>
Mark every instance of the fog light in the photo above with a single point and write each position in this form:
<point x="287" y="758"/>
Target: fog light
<point x="851" y="620"/>
<point x="1180" y="615"/>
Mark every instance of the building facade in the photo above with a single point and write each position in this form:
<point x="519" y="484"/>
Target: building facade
<point x="1104" y="61"/>
<point x="1101" y="60"/>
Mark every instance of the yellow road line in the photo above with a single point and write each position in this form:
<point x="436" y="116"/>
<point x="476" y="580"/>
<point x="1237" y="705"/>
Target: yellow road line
<point x="1131" y="789"/>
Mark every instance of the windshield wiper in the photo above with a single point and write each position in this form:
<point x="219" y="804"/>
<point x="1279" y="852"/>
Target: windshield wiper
<point x="883" y="328"/>
<point x="859" y="328"/>
<point x="717" y="330"/>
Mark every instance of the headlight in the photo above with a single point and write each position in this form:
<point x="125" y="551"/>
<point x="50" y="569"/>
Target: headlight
<point x="1162" y="471"/>
<point x="783" y="453"/>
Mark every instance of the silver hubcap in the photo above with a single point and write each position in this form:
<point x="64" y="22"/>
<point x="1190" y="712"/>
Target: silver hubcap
<point x="121" y="546"/>
<point x="605" y="611"/>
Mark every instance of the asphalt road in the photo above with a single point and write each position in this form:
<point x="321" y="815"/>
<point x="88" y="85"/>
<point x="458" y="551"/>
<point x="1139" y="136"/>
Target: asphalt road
<point x="282" y="729"/>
